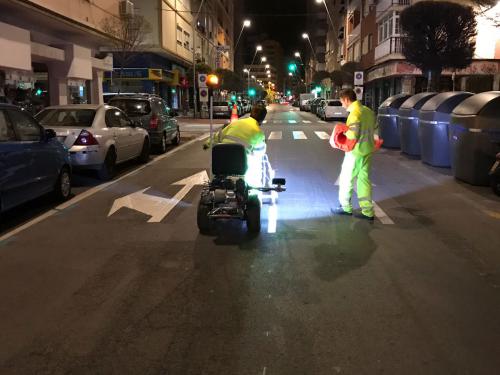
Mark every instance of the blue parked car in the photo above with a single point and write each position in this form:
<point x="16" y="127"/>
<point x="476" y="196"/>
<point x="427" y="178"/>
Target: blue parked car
<point x="32" y="161"/>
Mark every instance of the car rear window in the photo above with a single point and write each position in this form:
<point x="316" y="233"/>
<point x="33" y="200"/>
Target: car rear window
<point x="221" y="104"/>
<point x="67" y="117"/>
<point x="335" y="103"/>
<point x="132" y="107"/>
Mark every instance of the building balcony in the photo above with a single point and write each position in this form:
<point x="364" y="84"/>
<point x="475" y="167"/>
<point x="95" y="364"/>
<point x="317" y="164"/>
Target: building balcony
<point x="384" y="6"/>
<point x="390" y="49"/>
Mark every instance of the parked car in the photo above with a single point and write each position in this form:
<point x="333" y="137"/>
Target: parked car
<point x="154" y="115"/>
<point x="332" y="109"/>
<point x="246" y="106"/>
<point x="32" y="162"/>
<point x="320" y="108"/>
<point x="315" y="104"/>
<point x="222" y="109"/>
<point x="98" y="136"/>
<point x="307" y="105"/>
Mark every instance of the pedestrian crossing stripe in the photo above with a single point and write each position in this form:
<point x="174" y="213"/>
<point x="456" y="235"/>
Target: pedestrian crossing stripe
<point x="299" y="135"/>
<point x="322" y="135"/>
<point x="306" y="122"/>
<point x="322" y="122"/>
<point x="275" y="135"/>
<point x="292" y="121"/>
<point x="276" y="122"/>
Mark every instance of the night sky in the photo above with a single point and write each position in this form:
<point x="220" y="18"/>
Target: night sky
<point x="281" y="20"/>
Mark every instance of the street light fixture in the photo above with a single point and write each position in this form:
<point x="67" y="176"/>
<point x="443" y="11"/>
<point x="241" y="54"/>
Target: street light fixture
<point x="263" y="59"/>
<point x="327" y="12"/>
<point x="246" y="23"/>
<point x="268" y="66"/>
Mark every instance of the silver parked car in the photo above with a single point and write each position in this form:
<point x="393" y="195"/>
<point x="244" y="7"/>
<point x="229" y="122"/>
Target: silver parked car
<point x="98" y="136"/>
<point x="332" y="109"/>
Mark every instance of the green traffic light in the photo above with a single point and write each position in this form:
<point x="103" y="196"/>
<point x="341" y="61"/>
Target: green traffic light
<point x="289" y="93"/>
<point x="38" y="92"/>
<point x="318" y="89"/>
<point x="251" y="92"/>
<point x="233" y="98"/>
<point x="292" y="67"/>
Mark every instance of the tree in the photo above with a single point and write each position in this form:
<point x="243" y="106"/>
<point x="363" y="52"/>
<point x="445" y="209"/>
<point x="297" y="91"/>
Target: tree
<point x="230" y="81"/>
<point x="127" y="34"/>
<point x="437" y="36"/>
<point x="319" y="76"/>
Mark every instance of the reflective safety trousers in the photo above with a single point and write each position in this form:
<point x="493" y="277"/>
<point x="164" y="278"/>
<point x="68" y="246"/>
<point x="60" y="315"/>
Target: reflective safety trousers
<point x="355" y="166"/>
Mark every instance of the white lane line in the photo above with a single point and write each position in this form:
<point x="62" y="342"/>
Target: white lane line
<point x="381" y="215"/>
<point x="95" y="190"/>
<point x="292" y="121"/>
<point x="322" y="135"/>
<point x="299" y="135"/>
<point x="272" y="218"/>
<point x="275" y="135"/>
<point x="264" y="371"/>
<point x="306" y="121"/>
<point x="276" y="122"/>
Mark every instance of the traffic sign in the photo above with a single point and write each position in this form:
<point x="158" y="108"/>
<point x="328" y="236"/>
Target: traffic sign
<point x="358" y="78"/>
<point x="202" y="80"/>
<point x="359" y="92"/>
<point x="203" y="94"/>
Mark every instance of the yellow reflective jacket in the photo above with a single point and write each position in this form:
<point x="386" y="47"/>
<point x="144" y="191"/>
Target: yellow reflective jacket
<point x="244" y="131"/>
<point x="362" y="127"/>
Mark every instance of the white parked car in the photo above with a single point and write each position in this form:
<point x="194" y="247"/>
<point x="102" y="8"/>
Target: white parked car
<point x="333" y="109"/>
<point x="98" y="136"/>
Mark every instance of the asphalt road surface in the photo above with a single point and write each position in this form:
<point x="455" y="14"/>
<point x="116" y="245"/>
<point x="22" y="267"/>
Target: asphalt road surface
<point x="95" y="286"/>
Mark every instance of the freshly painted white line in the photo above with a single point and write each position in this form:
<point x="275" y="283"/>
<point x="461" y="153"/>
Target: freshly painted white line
<point x="272" y="218"/>
<point x="275" y="135"/>
<point x="299" y="135"/>
<point x="381" y="215"/>
<point x="306" y="121"/>
<point x="322" y="135"/>
<point x="94" y="190"/>
<point x="292" y="121"/>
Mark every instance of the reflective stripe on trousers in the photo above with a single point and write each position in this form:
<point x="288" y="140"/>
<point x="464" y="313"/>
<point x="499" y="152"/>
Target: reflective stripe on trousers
<point x="356" y="167"/>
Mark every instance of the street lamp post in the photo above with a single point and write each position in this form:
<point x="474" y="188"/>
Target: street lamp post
<point x="327" y="12"/>
<point x="195" y="20"/>
<point x="248" y="78"/>
<point x="246" y="23"/>
<point x="306" y="36"/>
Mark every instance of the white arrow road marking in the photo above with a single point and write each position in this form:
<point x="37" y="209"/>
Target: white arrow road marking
<point x="292" y="121"/>
<point x="306" y="121"/>
<point x="322" y="135"/>
<point x="158" y="207"/>
<point x="299" y="135"/>
<point x="275" y="135"/>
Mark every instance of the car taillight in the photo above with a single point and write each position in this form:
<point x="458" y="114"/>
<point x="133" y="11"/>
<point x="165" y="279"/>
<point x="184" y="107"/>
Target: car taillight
<point x="86" y="138"/>
<point x="153" y="123"/>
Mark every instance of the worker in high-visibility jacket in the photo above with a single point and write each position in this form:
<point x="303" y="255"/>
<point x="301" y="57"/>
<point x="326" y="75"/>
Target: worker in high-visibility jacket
<point x="361" y="124"/>
<point x="247" y="132"/>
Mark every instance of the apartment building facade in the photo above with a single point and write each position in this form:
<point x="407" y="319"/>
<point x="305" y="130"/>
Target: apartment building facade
<point x="370" y="36"/>
<point x="54" y="50"/>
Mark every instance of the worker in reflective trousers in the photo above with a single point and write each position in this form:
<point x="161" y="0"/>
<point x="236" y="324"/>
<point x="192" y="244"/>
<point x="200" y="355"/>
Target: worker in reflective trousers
<point x="361" y="125"/>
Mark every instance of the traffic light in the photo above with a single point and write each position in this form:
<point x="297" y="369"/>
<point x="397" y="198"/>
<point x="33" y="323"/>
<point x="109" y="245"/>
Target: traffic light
<point x="212" y="80"/>
<point x="233" y="98"/>
<point x="289" y="92"/>
<point x="38" y="92"/>
<point x="292" y="67"/>
<point x="252" y="92"/>
<point x="318" y="89"/>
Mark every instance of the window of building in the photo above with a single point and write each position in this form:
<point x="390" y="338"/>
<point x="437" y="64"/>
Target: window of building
<point x="364" y="47"/>
<point x="389" y="27"/>
<point x="370" y="42"/>
<point x="187" y="40"/>
<point x="179" y="35"/>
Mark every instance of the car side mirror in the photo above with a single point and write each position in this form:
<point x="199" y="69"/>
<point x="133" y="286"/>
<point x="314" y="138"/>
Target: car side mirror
<point x="50" y="134"/>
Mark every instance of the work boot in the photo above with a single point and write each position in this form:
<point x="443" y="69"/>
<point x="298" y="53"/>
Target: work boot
<point x="360" y="215"/>
<point x="340" y="211"/>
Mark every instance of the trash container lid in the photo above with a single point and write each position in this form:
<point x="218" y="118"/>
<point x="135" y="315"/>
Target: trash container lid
<point x="417" y="101"/>
<point x="394" y="101"/>
<point x="479" y="102"/>
<point x="446" y="101"/>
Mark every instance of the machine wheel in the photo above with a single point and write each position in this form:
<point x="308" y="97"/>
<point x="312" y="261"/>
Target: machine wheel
<point x="202" y="219"/>
<point x="253" y="214"/>
<point x="107" y="170"/>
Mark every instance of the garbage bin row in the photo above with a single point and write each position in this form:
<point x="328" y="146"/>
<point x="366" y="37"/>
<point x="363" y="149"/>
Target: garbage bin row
<point x="451" y="129"/>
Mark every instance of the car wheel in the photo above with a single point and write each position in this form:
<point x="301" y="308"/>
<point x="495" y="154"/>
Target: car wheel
<point x="62" y="190"/>
<point x="177" y="138"/>
<point x="205" y="224"/>
<point x="163" y="144"/>
<point x="253" y="214"/>
<point x="107" y="170"/>
<point x="145" y="152"/>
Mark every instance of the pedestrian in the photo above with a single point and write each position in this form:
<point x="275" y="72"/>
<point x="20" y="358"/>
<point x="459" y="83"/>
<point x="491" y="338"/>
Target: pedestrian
<point x="361" y="125"/>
